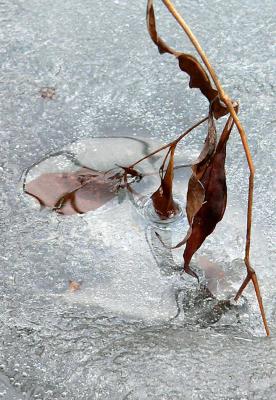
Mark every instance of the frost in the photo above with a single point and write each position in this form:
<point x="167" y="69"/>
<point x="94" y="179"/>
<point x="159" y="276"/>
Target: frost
<point x="114" y="338"/>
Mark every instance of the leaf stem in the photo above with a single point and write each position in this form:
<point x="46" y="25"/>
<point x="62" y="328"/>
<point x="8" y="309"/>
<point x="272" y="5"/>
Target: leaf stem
<point x="227" y="101"/>
<point x="174" y="142"/>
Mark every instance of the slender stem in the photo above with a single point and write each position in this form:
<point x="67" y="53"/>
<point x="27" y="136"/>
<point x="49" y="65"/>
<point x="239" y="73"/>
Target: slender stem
<point x="249" y="215"/>
<point x="171" y="143"/>
<point x="260" y="301"/>
<point x="225" y="98"/>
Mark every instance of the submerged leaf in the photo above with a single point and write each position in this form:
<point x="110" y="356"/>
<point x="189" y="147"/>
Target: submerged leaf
<point x="188" y="64"/>
<point x="73" y="192"/>
<point x="74" y="286"/>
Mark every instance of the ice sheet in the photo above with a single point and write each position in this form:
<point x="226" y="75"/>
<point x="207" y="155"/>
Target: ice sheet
<point x="109" y="80"/>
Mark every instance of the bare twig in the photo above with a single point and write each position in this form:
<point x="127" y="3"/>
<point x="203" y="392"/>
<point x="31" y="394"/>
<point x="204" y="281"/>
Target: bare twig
<point x="251" y="275"/>
<point x="171" y="143"/>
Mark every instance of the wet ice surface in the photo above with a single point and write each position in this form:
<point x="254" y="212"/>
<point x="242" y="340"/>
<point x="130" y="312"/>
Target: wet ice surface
<point x="114" y="338"/>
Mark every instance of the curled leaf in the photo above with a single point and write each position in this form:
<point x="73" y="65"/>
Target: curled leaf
<point x="188" y="64"/>
<point x="199" y="165"/>
<point x="162" y="199"/>
<point x="160" y="43"/>
<point x="195" y="198"/>
<point x="214" y="204"/>
<point x="196" y="190"/>
<point x="198" y="76"/>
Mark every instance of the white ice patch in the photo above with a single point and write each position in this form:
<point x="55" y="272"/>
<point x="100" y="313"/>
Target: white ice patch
<point x="127" y="278"/>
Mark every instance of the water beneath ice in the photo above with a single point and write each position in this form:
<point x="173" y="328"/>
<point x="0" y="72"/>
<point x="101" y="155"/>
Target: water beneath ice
<point x="136" y="329"/>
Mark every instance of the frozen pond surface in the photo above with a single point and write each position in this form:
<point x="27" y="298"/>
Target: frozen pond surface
<point x="114" y="339"/>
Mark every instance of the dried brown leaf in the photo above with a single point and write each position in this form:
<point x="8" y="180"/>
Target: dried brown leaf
<point x="213" y="206"/>
<point x="199" y="165"/>
<point x="163" y="47"/>
<point x="188" y="64"/>
<point x="196" y="190"/>
<point x="162" y="199"/>
<point x="195" y="198"/>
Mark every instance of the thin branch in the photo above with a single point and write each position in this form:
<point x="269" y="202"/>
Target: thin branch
<point x="226" y="100"/>
<point x="169" y="144"/>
